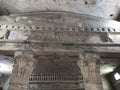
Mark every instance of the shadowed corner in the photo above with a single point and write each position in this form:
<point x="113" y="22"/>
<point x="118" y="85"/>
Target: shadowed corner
<point x="4" y="11"/>
<point x="118" y="16"/>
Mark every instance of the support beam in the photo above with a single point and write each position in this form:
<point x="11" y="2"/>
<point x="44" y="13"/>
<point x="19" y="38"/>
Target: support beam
<point x="23" y="67"/>
<point x="101" y="44"/>
<point x="90" y="70"/>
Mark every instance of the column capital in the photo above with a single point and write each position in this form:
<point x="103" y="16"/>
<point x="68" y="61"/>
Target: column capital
<point x="88" y="55"/>
<point x="23" y="52"/>
<point x="22" y="69"/>
<point x="89" y="66"/>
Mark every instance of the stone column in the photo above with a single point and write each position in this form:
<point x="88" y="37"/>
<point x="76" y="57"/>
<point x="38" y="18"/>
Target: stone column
<point x="89" y="66"/>
<point x="22" y="69"/>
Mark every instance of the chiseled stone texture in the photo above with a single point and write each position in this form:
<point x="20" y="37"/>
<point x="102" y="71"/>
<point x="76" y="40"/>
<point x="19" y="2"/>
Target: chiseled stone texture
<point x="101" y="8"/>
<point x="89" y="66"/>
<point x="57" y="28"/>
<point x="22" y="70"/>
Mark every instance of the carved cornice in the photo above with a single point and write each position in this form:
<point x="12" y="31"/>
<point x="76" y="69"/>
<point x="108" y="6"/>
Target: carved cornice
<point x="59" y="28"/>
<point x="58" y="21"/>
<point x="58" y="31"/>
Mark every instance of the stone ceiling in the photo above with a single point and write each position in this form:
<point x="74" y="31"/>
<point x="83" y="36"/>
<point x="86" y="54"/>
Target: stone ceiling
<point x="100" y="8"/>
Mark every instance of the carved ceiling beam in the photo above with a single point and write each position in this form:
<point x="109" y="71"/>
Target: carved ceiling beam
<point x="47" y="45"/>
<point x="54" y="27"/>
<point x="58" y="21"/>
<point x="102" y="44"/>
<point x="22" y="69"/>
<point x="58" y="31"/>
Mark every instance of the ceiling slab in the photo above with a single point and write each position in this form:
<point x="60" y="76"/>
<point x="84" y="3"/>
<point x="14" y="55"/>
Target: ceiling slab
<point x="100" y="8"/>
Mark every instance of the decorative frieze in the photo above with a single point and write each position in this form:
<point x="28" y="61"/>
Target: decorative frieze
<point x="58" y="28"/>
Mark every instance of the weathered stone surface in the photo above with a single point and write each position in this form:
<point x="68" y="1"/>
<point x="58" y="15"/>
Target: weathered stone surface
<point x="58" y="31"/>
<point x="22" y="70"/>
<point x="4" y="34"/>
<point x="57" y="19"/>
<point x="90" y="71"/>
<point x="100" y="8"/>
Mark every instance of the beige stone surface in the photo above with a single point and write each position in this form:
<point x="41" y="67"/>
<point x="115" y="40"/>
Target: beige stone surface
<point x="89" y="67"/>
<point x="22" y="70"/>
<point x="100" y="8"/>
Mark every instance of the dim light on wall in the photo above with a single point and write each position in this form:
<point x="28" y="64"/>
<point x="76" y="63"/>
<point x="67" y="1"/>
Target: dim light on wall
<point x="117" y="76"/>
<point x="4" y="68"/>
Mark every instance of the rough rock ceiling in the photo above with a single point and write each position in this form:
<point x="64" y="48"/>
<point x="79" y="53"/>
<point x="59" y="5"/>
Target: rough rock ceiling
<point x="101" y="8"/>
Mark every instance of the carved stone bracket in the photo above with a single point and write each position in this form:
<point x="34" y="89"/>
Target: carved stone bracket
<point x="22" y="69"/>
<point x="89" y="66"/>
